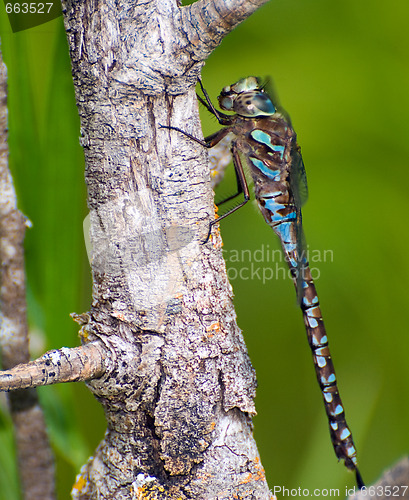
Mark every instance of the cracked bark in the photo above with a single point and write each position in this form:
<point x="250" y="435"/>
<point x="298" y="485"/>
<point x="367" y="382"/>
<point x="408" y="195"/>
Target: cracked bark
<point x="178" y="396"/>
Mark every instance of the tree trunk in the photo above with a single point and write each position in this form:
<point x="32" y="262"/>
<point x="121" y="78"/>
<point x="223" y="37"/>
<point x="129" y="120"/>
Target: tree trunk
<point x="178" y="386"/>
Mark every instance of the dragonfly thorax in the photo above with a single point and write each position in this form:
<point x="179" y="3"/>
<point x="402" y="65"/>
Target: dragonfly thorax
<point x="246" y="98"/>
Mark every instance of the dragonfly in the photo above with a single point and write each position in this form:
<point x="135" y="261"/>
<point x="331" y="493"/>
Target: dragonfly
<point x="260" y="132"/>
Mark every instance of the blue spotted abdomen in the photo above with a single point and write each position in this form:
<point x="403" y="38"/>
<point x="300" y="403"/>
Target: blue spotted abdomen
<point x="317" y="338"/>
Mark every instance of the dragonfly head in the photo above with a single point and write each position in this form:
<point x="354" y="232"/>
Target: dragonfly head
<point x="247" y="98"/>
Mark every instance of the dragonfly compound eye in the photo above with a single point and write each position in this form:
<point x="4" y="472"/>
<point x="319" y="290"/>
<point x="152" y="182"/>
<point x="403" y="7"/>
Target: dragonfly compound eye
<point x="226" y="102"/>
<point x="254" y="104"/>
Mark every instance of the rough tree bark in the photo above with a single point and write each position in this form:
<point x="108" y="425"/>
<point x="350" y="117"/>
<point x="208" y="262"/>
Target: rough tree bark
<point x="161" y="348"/>
<point x="178" y="389"/>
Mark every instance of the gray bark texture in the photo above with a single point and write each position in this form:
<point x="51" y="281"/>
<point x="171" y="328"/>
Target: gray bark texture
<point x="178" y="386"/>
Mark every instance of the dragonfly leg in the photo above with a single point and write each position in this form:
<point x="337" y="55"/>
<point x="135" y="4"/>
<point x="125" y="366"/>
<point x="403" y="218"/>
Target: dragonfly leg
<point x="242" y="188"/>
<point x="222" y="118"/>
<point x="237" y="193"/>
<point x="208" y="103"/>
<point x="205" y="104"/>
<point x="209" y="141"/>
<point x="177" y="129"/>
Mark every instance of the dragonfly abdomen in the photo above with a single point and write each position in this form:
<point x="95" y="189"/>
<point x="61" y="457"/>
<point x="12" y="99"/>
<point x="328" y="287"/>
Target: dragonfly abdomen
<point x="282" y="216"/>
<point x="341" y="435"/>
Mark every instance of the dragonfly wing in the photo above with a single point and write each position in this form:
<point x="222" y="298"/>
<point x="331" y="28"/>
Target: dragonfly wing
<point x="298" y="178"/>
<point x="219" y="158"/>
<point x="299" y="189"/>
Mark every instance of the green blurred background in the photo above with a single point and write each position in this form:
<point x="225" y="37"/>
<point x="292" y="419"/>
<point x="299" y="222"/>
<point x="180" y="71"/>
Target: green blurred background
<point x="341" y="70"/>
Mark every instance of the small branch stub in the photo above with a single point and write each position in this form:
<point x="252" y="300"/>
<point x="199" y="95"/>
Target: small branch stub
<point x="57" y="366"/>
